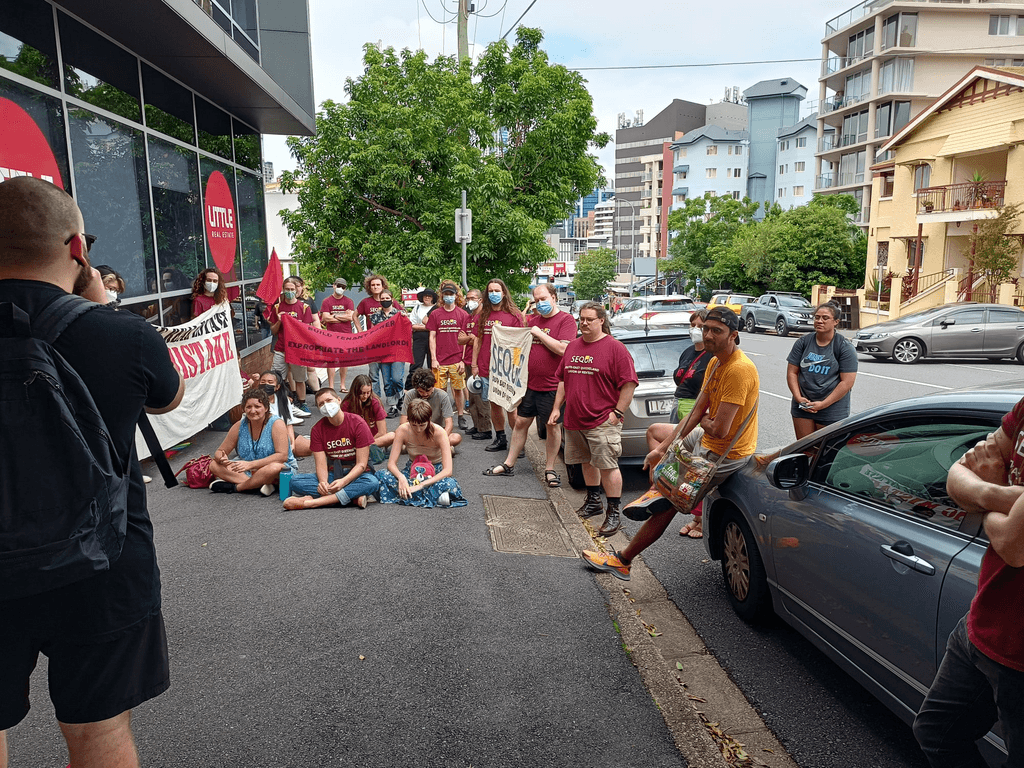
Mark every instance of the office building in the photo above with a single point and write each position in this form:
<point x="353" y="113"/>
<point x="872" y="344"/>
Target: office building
<point x="772" y="105"/>
<point x="709" y="161"/>
<point x="794" y="162"/>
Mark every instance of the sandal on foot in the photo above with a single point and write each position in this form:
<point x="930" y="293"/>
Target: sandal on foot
<point x="505" y="471"/>
<point x="692" y="531"/>
<point x="552" y="478"/>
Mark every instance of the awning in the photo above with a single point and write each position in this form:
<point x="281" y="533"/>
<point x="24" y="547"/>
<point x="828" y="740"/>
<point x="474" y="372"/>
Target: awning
<point x="680" y="169"/>
<point x="681" y="191"/>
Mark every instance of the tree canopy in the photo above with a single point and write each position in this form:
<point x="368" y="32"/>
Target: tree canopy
<point x="379" y="183"/>
<point x="594" y="270"/>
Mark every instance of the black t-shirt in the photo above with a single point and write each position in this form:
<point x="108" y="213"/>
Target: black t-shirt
<point x="689" y="379"/>
<point x="125" y="364"/>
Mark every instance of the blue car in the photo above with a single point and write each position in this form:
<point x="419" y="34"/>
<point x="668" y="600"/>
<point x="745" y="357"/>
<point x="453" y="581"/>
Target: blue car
<point x="850" y="537"/>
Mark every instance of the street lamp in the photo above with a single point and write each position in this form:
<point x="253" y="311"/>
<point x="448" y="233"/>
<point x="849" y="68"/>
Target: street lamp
<point x="632" y="235"/>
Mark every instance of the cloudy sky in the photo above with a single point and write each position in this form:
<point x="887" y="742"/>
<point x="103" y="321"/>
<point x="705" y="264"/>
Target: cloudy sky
<point x="598" y="33"/>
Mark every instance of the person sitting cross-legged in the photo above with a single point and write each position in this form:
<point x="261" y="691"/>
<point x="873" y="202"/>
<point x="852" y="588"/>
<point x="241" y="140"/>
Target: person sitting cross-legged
<point x="261" y="441"/>
<point x="341" y="452"/>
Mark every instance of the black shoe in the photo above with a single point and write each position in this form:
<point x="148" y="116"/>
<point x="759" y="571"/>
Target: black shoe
<point x="481" y="436"/>
<point x="222" y="486"/>
<point x="522" y="454"/>
<point x="394" y="413"/>
<point x="500" y="443"/>
<point x="592" y="505"/>
<point x="611" y="521"/>
<point x="471" y="431"/>
<point x="651" y="503"/>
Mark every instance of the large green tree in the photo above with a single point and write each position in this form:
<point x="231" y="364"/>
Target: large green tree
<point x="995" y="255"/>
<point x="594" y="270"/>
<point x="379" y="183"/>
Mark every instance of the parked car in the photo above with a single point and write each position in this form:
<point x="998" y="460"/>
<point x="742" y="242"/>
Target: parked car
<point x="733" y="301"/>
<point x="781" y="312"/>
<point x="640" y="311"/>
<point x="850" y="537"/>
<point x="994" y="331"/>
<point x="655" y="355"/>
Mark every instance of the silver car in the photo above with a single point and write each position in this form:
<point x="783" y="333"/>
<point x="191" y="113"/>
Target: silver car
<point x="642" y="311"/>
<point x="850" y="537"/>
<point x="994" y="331"/>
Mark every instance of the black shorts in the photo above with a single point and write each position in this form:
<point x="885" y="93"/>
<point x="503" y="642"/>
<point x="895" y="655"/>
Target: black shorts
<point x="538" y="404"/>
<point x="88" y="681"/>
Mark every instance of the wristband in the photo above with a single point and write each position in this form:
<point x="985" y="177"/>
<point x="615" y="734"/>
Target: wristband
<point x="618" y="413"/>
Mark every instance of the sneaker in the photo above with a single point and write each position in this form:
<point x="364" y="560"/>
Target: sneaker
<point x="300" y="410"/>
<point x="267" y="490"/>
<point x="606" y="562"/>
<point x="463" y="422"/>
<point x="444" y="500"/>
<point x="394" y="413"/>
<point x="222" y="486"/>
<point x="651" y="503"/>
<point x="147" y="479"/>
<point x="361" y="502"/>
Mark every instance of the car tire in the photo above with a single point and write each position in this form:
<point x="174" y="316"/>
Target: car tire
<point x="781" y="327"/>
<point x="750" y="325"/>
<point x="743" y="570"/>
<point x="574" y="473"/>
<point x="907" y="351"/>
<point x="1020" y="354"/>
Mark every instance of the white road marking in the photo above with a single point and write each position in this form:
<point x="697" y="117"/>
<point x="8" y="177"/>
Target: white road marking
<point x="988" y="370"/>
<point x="904" y="381"/>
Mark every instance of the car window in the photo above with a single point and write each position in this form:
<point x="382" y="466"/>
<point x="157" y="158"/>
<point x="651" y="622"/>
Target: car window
<point x="794" y="301"/>
<point x="1005" y="316"/>
<point x="967" y="317"/>
<point x="656" y="355"/>
<point x="902" y="466"/>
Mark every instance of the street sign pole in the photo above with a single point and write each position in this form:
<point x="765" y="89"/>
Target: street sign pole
<point x="464" y="233"/>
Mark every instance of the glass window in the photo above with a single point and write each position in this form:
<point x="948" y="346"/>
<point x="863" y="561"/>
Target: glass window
<point x="98" y="71"/>
<point x="712" y="149"/>
<point x="174" y="176"/>
<point x="888" y="183"/>
<point x="168" y="106"/>
<point x="967" y="317"/>
<point x="220" y="214"/>
<point x="256" y="326"/>
<point x="27" y="44"/>
<point x="922" y="176"/>
<point x="252" y="225"/>
<point x="247" y="146"/>
<point x="111" y="188"/>
<point x="999" y="25"/>
<point x="908" y="30"/>
<point x="244" y="14"/>
<point x="883" y="120"/>
<point x="1005" y="316"/>
<point x="798" y="191"/>
<point x="739" y="150"/>
<point x="41" y="120"/>
<point x="214" y="129"/>
<point x="901" y="115"/>
<point x="889" y="31"/>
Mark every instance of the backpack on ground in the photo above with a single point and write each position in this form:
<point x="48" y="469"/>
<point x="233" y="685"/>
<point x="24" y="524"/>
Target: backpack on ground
<point x="63" y="488"/>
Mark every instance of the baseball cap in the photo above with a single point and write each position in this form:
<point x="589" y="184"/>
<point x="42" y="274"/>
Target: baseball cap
<point x="342" y="282"/>
<point x="449" y="287"/>
<point x="725" y="316"/>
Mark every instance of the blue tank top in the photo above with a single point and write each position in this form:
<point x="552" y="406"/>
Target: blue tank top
<point x="252" y="450"/>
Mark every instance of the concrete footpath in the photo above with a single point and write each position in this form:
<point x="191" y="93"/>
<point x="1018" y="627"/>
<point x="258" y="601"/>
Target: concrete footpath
<point x="395" y="636"/>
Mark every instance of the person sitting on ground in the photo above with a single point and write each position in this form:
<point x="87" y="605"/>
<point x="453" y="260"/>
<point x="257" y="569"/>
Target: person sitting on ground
<point x="441" y="412"/>
<point x="341" y="451"/>
<point x="273" y="385"/>
<point x="363" y="403"/>
<point x="420" y="437"/>
<point x="113" y="284"/>
<point x="261" y="441"/>
<point x="208" y="290"/>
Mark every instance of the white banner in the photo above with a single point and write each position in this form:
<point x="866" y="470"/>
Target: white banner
<point x="203" y="351"/>
<point x="510" y="355"/>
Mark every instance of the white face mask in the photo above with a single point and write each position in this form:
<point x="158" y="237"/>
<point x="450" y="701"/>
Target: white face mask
<point x="111" y="295"/>
<point x="339" y="291"/>
<point x="211" y="287"/>
<point x="330" y="409"/>
<point x="471" y="305"/>
<point x="697" y="335"/>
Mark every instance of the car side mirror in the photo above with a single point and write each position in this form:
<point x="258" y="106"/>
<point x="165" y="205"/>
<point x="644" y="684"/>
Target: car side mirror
<point x="947" y="321"/>
<point x="787" y="472"/>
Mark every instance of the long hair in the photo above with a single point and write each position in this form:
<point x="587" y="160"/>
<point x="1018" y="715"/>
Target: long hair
<point x="104" y="271"/>
<point x="281" y="393"/>
<point x="220" y="295"/>
<point x="370" y="279"/>
<point x="419" y="411"/>
<point x="602" y="314"/>
<point x="460" y="300"/>
<point x="506" y="305"/>
<point x="352" y="404"/>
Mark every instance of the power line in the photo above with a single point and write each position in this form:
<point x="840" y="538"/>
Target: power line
<point x="453" y="19"/>
<point x="519" y="19"/>
<point x="492" y="15"/>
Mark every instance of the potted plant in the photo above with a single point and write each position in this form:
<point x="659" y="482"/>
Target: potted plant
<point x="977" y="189"/>
<point x="928" y="206"/>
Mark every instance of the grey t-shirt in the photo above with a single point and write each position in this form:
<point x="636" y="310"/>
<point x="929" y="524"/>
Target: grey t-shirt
<point x="440" y="405"/>
<point x="819" y="372"/>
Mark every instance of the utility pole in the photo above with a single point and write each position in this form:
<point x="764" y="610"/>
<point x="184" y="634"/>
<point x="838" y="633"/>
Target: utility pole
<point x="463" y="29"/>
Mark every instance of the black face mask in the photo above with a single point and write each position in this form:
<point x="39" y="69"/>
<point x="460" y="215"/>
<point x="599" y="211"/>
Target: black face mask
<point x="386" y="304"/>
<point x="268" y="388"/>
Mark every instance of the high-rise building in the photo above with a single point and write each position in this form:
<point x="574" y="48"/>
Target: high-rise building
<point x="709" y="161"/>
<point x="268" y="172"/>
<point x="882" y="63"/>
<point x="772" y="105"/>
<point x="794" y="162"/>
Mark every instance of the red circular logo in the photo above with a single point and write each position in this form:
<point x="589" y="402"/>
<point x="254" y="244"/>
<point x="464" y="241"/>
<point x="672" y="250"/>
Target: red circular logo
<point x="221" y="228"/>
<point x="24" y="150"/>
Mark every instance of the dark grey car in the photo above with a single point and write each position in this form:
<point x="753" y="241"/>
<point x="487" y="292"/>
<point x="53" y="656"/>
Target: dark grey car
<point x="850" y="537"/>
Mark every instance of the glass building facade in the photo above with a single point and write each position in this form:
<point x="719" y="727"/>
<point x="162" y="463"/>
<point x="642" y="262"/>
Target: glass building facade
<point x="169" y="182"/>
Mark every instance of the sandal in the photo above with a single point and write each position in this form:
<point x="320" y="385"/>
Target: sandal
<point x="506" y="471"/>
<point x="552" y="478"/>
<point x="692" y="531"/>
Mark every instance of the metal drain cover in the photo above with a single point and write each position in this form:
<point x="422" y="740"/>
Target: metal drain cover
<point x="526" y="526"/>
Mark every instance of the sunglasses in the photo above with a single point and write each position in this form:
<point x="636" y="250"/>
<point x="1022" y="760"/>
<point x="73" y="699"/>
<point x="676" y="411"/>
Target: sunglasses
<point x="89" y="240"/>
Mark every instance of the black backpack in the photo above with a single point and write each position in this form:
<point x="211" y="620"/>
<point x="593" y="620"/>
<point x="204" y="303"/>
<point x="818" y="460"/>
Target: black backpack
<point x="63" y="489"/>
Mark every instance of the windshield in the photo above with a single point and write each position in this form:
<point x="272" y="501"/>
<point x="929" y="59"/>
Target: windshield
<point x="793" y="301"/>
<point x="662" y="355"/>
<point x="678" y="305"/>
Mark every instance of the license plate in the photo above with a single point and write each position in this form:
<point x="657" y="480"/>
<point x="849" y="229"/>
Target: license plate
<point x="660" y="407"/>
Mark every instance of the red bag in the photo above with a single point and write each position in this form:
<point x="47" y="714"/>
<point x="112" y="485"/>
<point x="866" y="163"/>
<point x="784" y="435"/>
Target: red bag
<point x="197" y="472"/>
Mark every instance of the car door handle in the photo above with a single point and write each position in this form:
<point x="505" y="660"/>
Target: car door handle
<point x="975" y="330"/>
<point x="902" y="552"/>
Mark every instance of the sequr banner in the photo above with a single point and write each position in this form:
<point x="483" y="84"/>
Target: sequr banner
<point x="510" y="356"/>
<point x="387" y="342"/>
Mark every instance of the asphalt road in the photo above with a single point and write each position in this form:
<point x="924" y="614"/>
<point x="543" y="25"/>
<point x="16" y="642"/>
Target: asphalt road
<point x="820" y="714"/>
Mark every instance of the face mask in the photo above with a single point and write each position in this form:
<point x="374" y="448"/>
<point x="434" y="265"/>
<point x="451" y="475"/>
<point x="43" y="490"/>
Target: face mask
<point x="268" y="388"/>
<point x="330" y="409"/>
<point x="696" y="335"/>
<point x="544" y="307"/>
<point x="339" y="291"/>
<point x="211" y="287"/>
<point x="112" y="295"/>
<point x="448" y="298"/>
<point x="494" y="297"/>
<point x="472" y="305"/>
<point x="289" y="295"/>
<point x="387" y="304"/>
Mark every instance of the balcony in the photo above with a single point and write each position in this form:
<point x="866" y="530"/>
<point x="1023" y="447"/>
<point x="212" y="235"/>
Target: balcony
<point x="977" y="197"/>
<point x="824" y="181"/>
<point x="866" y="8"/>
<point x="832" y="65"/>
<point x="839" y="101"/>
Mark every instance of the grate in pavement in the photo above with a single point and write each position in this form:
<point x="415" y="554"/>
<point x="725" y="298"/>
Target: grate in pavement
<point x="526" y="526"/>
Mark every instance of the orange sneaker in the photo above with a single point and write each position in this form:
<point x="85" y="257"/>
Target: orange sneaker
<point x="651" y="503"/>
<point x="607" y="562"/>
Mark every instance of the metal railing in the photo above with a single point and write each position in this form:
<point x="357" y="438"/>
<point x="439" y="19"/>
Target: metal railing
<point x="841" y="102"/>
<point x="833" y="64"/>
<point x="868" y="7"/>
<point x="921" y="283"/>
<point x="966" y="196"/>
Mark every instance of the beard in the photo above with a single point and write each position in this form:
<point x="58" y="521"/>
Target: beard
<point x="83" y="279"/>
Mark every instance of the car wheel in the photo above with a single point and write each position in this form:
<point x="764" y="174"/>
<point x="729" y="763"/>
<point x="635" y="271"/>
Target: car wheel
<point x="743" y="570"/>
<point x="574" y="473"/>
<point x="781" y="328"/>
<point x="750" y="325"/>
<point x="907" y="351"/>
<point x="1020" y="354"/>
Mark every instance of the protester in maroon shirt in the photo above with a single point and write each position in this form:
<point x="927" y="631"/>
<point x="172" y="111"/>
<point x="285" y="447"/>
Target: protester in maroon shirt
<point x="981" y="678"/>
<point x="497" y="308"/>
<point x="208" y="290"/>
<point x="337" y="313"/>
<point x="552" y="330"/>
<point x="362" y="402"/>
<point x="479" y="411"/>
<point x="597" y="380"/>
<point x="445" y="324"/>
<point x="290" y="305"/>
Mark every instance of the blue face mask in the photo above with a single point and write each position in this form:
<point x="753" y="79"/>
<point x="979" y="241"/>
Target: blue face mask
<point x="544" y="307"/>
<point x="289" y="295"/>
<point x="494" y="297"/>
<point x="449" y="298"/>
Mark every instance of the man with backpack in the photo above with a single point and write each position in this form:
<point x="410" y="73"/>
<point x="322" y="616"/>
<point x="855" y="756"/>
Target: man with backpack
<point x="76" y="378"/>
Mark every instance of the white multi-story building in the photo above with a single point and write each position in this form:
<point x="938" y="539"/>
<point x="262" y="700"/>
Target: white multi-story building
<point x="794" y="160"/>
<point x="709" y="161"/>
<point x="604" y="221"/>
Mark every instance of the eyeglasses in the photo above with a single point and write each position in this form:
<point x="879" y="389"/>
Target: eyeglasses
<point x="589" y="319"/>
<point x="824" y="317"/>
<point x="89" y="240"/>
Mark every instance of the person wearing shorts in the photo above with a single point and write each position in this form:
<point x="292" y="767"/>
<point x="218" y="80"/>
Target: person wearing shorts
<point x="445" y="324"/>
<point x="596" y="381"/>
<point x="290" y="305"/>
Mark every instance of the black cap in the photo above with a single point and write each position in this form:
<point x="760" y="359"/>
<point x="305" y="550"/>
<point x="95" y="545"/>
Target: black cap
<point x="725" y="316"/>
<point x="426" y="292"/>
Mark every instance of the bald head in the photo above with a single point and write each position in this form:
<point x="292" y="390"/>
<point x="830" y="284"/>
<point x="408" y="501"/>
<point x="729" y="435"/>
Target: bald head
<point x="36" y="217"/>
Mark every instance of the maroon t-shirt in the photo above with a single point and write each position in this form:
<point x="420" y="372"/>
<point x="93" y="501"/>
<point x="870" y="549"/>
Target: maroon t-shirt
<point x="447" y="324"/>
<point x="340" y="443"/>
<point x="542" y="376"/>
<point x="202" y="303"/>
<point x="374" y="312"/>
<point x="993" y="623"/>
<point x="467" y="355"/>
<point x="483" y="330"/>
<point x="378" y="413"/>
<point x="333" y="304"/>
<point x="298" y="310"/>
<point x="594" y="375"/>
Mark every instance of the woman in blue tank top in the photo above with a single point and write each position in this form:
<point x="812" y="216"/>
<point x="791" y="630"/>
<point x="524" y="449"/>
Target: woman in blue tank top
<point x="261" y="442"/>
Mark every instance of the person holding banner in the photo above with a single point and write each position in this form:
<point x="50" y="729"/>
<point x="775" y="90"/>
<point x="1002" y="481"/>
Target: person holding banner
<point x="290" y="305"/>
<point x="371" y="310"/>
<point x="208" y="290"/>
<point x="498" y="308"/>
<point x="363" y="403"/>
<point x="552" y="330"/>
<point x="261" y="442"/>
<point x="478" y="410"/>
<point x="337" y="313"/>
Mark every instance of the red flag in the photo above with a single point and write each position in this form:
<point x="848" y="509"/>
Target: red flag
<point x="272" y="282"/>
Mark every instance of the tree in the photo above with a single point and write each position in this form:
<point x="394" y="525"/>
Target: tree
<point x="594" y="271"/>
<point x="379" y="183"/>
<point x="702" y="227"/>
<point x="996" y="256"/>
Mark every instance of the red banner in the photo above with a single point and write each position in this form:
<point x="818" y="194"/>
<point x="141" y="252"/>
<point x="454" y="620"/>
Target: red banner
<point x="389" y="342"/>
<point x="273" y="280"/>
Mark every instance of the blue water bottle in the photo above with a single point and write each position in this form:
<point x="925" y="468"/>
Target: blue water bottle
<point x="285" y="484"/>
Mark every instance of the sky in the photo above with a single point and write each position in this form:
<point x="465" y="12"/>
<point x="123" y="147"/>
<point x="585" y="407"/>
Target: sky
<point x="598" y="33"/>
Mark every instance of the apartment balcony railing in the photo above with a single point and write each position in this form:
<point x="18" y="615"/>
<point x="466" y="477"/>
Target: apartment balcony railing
<point x="967" y="196"/>
<point x="841" y="102"/>
<point x="645" y="193"/>
<point x="849" y="178"/>
<point x="835" y="63"/>
<point x="824" y="181"/>
<point x="868" y="7"/>
<point x="646" y="176"/>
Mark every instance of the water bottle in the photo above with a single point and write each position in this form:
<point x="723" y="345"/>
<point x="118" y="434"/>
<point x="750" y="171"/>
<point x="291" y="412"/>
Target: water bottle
<point x="285" y="484"/>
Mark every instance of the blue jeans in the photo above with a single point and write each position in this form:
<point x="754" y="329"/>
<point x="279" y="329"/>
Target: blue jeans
<point x="305" y="484"/>
<point x="394" y="381"/>
<point x="374" y="374"/>
<point x="970" y="692"/>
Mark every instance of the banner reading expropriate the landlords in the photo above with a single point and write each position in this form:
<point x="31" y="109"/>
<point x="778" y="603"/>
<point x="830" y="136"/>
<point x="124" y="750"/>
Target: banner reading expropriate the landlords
<point x="203" y="351"/>
<point x="510" y="356"/>
<point x="387" y="342"/>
